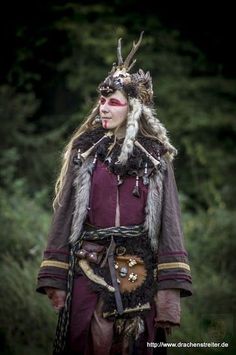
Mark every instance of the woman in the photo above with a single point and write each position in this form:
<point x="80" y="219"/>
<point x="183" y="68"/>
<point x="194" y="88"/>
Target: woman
<point x="115" y="264"/>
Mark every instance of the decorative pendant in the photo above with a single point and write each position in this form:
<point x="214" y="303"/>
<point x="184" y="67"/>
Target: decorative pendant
<point x="145" y="176"/>
<point x="159" y="159"/>
<point x="77" y="159"/>
<point x="95" y="159"/>
<point x="132" y="262"/>
<point x="123" y="271"/>
<point x="108" y="160"/>
<point x="145" y="180"/>
<point x="132" y="277"/>
<point x="93" y="164"/>
<point x="119" y="180"/>
<point x="135" y="191"/>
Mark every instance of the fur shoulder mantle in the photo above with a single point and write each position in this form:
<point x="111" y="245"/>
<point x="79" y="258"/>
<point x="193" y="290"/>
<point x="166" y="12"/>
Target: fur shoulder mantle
<point x="108" y="152"/>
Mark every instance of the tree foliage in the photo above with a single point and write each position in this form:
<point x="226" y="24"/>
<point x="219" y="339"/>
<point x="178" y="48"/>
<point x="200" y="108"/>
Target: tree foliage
<point x="48" y="89"/>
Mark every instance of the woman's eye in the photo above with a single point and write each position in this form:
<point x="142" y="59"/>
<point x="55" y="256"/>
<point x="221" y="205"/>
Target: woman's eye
<point x="102" y="101"/>
<point x="114" y="102"/>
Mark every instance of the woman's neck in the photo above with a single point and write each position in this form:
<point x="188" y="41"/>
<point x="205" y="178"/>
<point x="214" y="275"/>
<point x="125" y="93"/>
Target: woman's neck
<point x="120" y="133"/>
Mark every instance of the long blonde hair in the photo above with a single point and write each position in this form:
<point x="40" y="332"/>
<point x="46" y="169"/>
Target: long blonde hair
<point x="149" y="127"/>
<point x="86" y="126"/>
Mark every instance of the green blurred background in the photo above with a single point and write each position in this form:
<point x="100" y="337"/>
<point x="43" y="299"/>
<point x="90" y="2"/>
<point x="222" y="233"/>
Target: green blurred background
<point x="54" y="54"/>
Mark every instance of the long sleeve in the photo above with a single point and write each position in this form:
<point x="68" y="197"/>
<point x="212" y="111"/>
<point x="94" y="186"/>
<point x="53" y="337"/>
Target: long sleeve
<point x="54" y="267"/>
<point x="173" y="269"/>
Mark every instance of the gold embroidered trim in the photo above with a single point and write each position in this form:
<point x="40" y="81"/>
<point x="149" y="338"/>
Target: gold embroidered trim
<point x="173" y="266"/>
<point x="55" y="263"/>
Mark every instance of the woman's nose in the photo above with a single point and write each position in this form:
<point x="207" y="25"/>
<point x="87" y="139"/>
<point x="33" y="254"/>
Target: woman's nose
<point x="104" y="108"/>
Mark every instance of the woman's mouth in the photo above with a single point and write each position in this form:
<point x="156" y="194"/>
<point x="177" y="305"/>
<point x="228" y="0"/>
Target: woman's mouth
<point x="105" y="121"/>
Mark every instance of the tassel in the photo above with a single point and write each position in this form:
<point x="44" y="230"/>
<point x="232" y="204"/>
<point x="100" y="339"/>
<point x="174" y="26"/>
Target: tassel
<point x="119" y="326"/>
<point x="77" y="159"/>
<point x="93" y="164"/>
<point x="95" y="159"/>
<point x="134" y="327"/>
<point x="145" y="176"/>
<point x="119" y="180"/>
<point x="108" y="160"/>
<point x="130" y="328"/>
<point x="136" y="192"/>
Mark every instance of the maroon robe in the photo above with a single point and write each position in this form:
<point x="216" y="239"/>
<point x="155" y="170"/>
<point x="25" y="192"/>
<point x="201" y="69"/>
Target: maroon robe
<point x="172" y="261"/>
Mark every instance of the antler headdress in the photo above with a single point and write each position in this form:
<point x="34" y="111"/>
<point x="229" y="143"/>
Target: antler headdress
<point x="138" y="88"/>
<point x="137" y="85"/>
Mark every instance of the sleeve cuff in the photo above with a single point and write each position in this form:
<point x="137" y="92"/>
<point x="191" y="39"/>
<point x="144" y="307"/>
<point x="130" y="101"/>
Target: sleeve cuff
<point x="173" y="271"/>
<point x="185" y="287"/>
<point x="50" y="282"/>
<point x="53" y="270"/>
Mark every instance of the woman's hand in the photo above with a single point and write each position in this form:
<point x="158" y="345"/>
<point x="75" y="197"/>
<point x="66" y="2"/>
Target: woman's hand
<point x="57" y="297"/>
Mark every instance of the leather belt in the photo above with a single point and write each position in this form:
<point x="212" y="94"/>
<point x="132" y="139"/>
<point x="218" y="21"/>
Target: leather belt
<point x="111" y="262"/>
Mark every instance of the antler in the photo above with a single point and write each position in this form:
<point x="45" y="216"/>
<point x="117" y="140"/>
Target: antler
<point x="132" y="52"/>
<point x="119" y="55"/>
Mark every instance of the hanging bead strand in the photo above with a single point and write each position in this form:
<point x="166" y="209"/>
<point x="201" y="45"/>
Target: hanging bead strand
<point x="145" y="176"/>
<point x="94" y="162"/>
<point x="119" y="180"/>
<point x="136" y="192"/>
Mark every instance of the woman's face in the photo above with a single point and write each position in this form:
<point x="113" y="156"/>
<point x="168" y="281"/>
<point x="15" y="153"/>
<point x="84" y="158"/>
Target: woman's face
<point x="113" y="110"/>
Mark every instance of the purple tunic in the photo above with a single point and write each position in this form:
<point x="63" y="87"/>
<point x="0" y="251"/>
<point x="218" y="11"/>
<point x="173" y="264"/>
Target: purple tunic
<point x="103" y="197"/>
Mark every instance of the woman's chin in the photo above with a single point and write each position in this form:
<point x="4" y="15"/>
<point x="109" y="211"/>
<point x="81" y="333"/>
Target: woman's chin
<point x="106" y="124"/>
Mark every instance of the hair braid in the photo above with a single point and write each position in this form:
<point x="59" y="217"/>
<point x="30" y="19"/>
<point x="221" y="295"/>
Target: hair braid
<point x="131" y="129"/>
<point x="160" y="130"/>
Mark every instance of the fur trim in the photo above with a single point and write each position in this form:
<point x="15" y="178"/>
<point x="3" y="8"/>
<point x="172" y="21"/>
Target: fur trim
<point x="153" y="207"/>
<point x="131" y="129"/>
<point x="138" y="160"/>
<point x="159" y="129"/>
<point x="82" y="184"/>
<point x="143" y="294"/>
<point x="137" y="109"/>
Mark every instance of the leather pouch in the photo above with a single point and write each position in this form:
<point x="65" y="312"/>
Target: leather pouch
<point x="130" y="271"/>
<point x="90" y="251"/>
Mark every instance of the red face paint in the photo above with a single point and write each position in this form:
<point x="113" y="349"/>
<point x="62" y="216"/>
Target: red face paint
<point x="112" y="102"/>
<point x="115" y="102"/>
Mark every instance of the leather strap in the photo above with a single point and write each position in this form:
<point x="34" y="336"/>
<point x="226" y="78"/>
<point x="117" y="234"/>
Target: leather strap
<point x="111" y="262"/>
